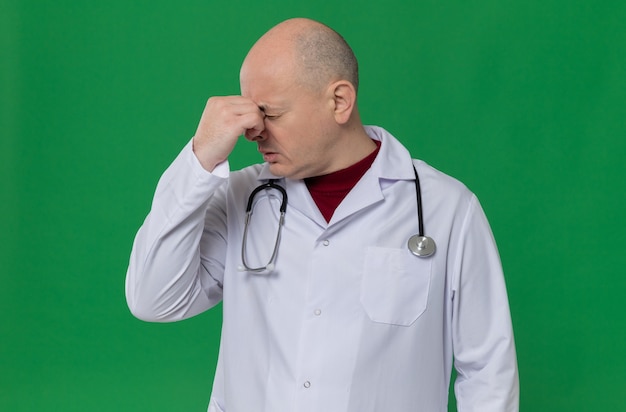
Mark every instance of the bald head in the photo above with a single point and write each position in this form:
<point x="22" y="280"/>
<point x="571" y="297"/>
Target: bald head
<point x="316" y="53"/>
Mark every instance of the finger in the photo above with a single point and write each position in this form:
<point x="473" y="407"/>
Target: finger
<point x="253" y="124"/>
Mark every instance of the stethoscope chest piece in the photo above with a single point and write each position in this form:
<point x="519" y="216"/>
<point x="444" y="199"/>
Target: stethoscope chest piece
<point x="421" y="246"/>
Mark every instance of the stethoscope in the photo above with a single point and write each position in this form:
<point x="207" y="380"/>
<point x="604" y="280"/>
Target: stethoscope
<point x="283" y="207"/>
<point x="419" y="244"/>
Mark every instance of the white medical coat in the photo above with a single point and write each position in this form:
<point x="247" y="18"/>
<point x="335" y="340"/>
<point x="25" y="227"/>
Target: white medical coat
<point x="349" y="320"/>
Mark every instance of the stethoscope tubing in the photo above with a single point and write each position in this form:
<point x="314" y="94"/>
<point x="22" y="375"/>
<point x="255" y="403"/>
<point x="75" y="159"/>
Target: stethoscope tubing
<point x="420" y="216"/>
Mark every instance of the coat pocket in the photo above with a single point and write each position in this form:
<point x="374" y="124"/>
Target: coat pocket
<point x="395" y="285"/>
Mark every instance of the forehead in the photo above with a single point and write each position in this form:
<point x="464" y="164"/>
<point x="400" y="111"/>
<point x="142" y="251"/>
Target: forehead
<point x="269" y="82"/>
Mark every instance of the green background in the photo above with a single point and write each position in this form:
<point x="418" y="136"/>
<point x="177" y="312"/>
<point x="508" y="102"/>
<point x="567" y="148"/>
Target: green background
<point x="524" y="101"/>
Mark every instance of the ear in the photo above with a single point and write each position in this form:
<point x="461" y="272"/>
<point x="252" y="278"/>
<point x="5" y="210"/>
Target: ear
<point x="344" y="100"/>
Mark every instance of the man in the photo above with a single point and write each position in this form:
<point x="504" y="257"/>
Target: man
<point x="334" y="313"/>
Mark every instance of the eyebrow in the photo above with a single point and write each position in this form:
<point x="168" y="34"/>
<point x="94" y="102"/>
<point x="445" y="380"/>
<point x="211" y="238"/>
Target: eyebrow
<point x="265" y="108"/>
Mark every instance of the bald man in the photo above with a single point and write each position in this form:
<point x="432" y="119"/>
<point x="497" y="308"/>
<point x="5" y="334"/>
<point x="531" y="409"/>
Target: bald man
<point x="325" y="308"/>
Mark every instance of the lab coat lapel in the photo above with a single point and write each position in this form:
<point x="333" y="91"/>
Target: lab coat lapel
<point x="365" y="193"/>
<point x="300" y="199"/>
<point x="392" y="163"/>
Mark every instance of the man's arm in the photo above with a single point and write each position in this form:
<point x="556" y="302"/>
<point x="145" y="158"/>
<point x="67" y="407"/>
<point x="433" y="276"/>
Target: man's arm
<point x="167" y="278"/>
<point x="482" y="333"/>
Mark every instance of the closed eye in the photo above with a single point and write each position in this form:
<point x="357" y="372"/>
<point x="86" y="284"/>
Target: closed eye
<point x="271" y="115"/>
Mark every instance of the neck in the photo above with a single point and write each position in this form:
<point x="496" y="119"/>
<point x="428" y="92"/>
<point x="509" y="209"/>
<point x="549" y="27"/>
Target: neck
<point x="353" y="145"/>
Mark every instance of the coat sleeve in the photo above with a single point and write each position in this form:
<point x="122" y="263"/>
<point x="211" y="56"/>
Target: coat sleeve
<point x="167" y="280"/>
<point x="482" y="334"/>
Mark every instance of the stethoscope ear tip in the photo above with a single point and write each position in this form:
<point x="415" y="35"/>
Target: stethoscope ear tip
<point x="240" y="268"/>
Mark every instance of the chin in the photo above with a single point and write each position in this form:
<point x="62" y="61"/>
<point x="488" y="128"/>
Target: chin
<point x="286" y="172"/>
<point x="277" y="170"/>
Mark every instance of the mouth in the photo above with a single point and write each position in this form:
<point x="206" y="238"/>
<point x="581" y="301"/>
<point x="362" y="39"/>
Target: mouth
<point x="268" y="155"/>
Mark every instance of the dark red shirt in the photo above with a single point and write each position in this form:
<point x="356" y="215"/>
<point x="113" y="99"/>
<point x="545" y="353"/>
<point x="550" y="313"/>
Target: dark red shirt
<point x="329" y="190"/>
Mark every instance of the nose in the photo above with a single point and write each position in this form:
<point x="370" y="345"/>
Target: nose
<point x="255" y="136"/>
